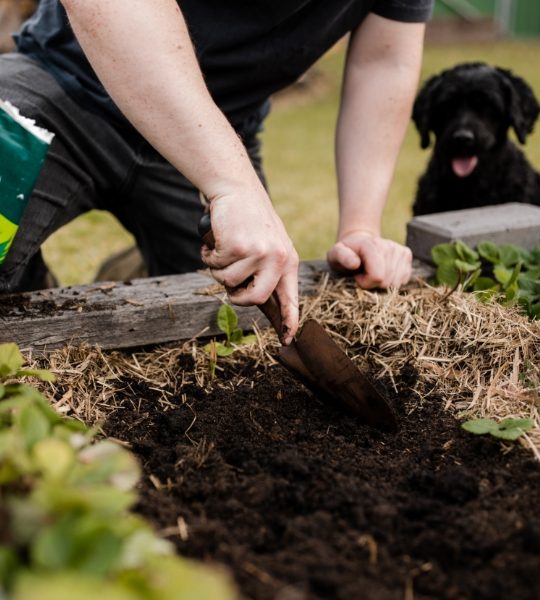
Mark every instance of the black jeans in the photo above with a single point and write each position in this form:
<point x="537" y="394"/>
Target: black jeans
<point x="92" y="164"/>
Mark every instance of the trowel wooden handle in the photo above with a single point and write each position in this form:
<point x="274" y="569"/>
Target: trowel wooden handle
<point x="271" y="308"/>
<point x="272" y="311"/>
<point x="205" y="231"/>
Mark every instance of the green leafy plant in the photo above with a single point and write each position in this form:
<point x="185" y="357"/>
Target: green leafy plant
<point x="227" y="322"/>
<point x="12" y="361"/>
<point x="508" y="429"/>
<point x="66" y="530"/>
<point x="506" y="272"/>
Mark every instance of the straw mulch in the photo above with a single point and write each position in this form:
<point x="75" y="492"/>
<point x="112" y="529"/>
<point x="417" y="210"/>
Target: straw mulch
<point x="477" y="359"/>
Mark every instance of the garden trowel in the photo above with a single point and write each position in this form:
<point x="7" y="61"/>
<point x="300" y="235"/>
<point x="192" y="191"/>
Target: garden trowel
<point x="318" y="362"/>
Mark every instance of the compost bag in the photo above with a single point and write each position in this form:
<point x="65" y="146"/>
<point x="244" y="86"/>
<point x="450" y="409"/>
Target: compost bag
<point x="23" y="147"/>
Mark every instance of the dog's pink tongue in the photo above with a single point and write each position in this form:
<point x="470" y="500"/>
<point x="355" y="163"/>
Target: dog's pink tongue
<point x="464" y="166"/>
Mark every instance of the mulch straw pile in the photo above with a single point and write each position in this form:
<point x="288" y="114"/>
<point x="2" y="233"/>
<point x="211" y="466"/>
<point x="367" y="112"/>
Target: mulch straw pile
<point x="479" y="359"/>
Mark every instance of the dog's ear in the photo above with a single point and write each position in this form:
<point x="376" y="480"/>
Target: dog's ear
<point x="422" y="109"/>
<point x="522" y="104"/>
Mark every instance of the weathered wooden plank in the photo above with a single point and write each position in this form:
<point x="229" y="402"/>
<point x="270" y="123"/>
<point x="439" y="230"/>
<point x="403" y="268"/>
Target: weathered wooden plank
<point x="126" y="314"/>
<point x="122" y="314"/>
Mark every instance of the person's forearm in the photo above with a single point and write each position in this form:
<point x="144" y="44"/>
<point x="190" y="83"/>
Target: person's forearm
<point x="142" y="53"/>
<point x="379" y="86"/>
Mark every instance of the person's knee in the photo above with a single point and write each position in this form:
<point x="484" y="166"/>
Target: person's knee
<point x="35" y="275"/>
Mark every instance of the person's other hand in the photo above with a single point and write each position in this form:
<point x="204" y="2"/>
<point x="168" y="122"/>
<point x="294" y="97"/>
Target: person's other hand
<point x="252" y="245"/>
<point x="381" y="263"/>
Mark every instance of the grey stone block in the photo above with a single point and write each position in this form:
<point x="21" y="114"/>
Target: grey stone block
<point x="512" y="223"/>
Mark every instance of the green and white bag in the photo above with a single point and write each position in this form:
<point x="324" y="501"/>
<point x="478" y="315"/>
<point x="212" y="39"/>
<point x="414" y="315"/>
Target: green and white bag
<point x="23" y="147"/>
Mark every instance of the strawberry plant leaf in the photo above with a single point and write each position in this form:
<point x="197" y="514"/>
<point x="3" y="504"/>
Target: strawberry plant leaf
<point x="534" y="255"/>
<point x="529" y="284"/>
<point x="471" y="279"/>
<point x="34" y="425"/>
<point x="21" y="390"/>
<point x="227" y="319"/>
<point x="489" y="251"/>
<point x="11" y="359"/>
<point x="510" y="294"/>
<point x="523" y="424"/>
<point x="448" y="274"/>
<point x="54" y="545"/>
<point x="531" y="272"/>
<point x="508" y="429"/>
<point x="466" y="267"/>
<point x="106" y="462"/>
<point x="236" y="336"/>
<point x="479" y="426"/>
<point x="502" y="274"/>
<point x="526" y="257"/>
<point x="484" y="284"/>
<point x="515" y="274"/>
<point x="13" y="404"/>
<point x="510" y="434"/>
<point x="187" y="581"/>
<point x="67" y="585"/>
<point x="53" y="456"/>
<point x="98" y="546"/>
<point x="465" y="252"/>
<point x="444" y="254"/>
<point x="223" y="350"/>
<point x="41" y="374"/>
<point x="509" y="255"/>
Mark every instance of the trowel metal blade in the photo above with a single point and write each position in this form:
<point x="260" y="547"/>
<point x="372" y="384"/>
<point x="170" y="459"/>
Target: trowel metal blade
<point x="334" y="378"/>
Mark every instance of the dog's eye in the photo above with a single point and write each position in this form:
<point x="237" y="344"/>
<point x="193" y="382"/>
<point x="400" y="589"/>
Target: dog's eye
<point x="489" y="110"/>
<point x="485" y="105"/>
<point x="478" y="102"/>
<point x="444" y="108"/>
<point x="443" y="112"/>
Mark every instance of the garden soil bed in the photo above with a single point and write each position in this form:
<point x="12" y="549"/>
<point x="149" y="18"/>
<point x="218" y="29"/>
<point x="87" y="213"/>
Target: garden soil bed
<point x="301" y="502"/>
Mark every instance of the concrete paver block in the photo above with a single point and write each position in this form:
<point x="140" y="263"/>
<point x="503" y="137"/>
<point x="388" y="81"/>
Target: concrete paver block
<point x="512" y="223"/>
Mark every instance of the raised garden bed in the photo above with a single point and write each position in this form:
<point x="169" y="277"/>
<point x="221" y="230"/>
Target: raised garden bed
<point x="302" y="502"/>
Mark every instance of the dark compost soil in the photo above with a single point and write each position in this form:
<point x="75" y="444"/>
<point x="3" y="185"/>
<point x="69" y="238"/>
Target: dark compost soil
<point x="302" y="502"/>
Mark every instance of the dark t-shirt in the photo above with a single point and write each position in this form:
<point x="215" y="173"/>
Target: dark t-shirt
<point x="247" y="49"/>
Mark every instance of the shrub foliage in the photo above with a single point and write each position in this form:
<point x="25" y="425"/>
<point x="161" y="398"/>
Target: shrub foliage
<point x="507" y="272"/>
<point x="66" y="529"/>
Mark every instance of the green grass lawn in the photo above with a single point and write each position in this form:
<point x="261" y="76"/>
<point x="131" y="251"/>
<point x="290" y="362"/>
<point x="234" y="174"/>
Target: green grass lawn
<point x="298" y="157"/>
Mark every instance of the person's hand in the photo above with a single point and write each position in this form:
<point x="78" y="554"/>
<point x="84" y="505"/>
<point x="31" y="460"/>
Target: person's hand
<point x="381" y="263"/>
<point x="252" y="245"/>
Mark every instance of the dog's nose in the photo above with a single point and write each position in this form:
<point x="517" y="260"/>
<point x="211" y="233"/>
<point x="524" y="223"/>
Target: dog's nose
<point x="462" y="141"/>
<point x="463" y="135"/>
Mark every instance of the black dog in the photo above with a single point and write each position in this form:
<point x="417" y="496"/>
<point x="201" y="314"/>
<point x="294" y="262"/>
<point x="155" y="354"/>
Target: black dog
<point x="470" y="109"/>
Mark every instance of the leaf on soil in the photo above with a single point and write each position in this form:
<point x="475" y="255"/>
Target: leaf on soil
<point x="508" y="429"/>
